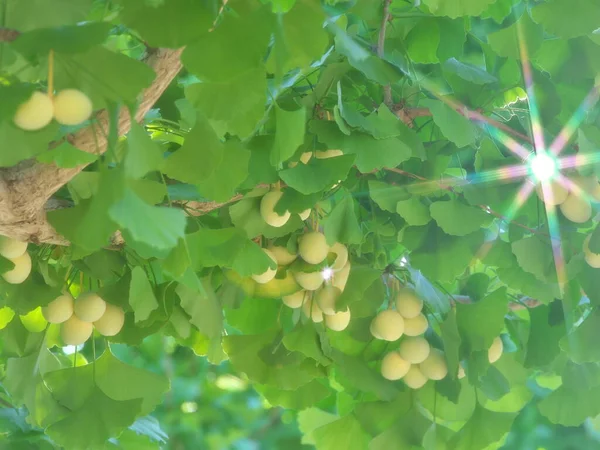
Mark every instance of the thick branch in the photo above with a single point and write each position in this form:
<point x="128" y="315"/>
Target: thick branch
<point x="387" y="90"/>
<point x="26" y="187"/>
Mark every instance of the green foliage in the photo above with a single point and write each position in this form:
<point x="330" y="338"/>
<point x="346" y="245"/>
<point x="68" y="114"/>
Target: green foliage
<point x="164" y="220"/>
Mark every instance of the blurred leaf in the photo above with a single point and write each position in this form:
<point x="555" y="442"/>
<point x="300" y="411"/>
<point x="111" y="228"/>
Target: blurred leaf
<point x="318" y="174"/>
<point x="342" y="224"/>
<point x="141" y="295"/>
<point x="456" y="218"/>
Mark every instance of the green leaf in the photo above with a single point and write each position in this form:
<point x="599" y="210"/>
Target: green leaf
<point x="204" y="309"/>
<point x="584" y="16"/>
<point x="318" y="174"/>
<point x="100" y="416"/>
<point x="457" y="8"/>
<point x="469" y="72"/>
<point x="104" y="75"/>
<point x="452" y="341"/>
<point x="341" y="225"/>
<point x="66" y="156"/>
<point x="371" y="153"/>
<point x="143" y="154"/>
<point x="577" y="342"/>
<point x="306" y="340"/>
<point x="507" y="42"/>
<point x="247" y="91"/>
<point x="23" y="144"/>
<point x="422" y="42"/>
<point x="88" y="224"/>
<point x="570" y="407"/>
<point x="458" y="219"/>
<point x="255" y="315"/>
<point x="387" y="196"/>
<point x="311" y="419"/>
<point x="359" y="280"/>
<point x="481" y="322"/>
<point x="60" y="12"/>
<point x="227" y="247"/>
<point x="198" y="158"/>
<point x="414" y="211"/>
<point x="156" y="226"/>
<point x="66" y="39"/>
<point x="544" y="336"/>
<point x="343" y="433"/>
<point x="298" y="399"/>
<point x="141" y="295"/>
<point x="289" y="134"/>
<point x="453" y="125"/>
<point x="303" y="38"/>
<point x="535" y="256"/>
<point x="483" y="429"/>
<point x="172" y="23"/>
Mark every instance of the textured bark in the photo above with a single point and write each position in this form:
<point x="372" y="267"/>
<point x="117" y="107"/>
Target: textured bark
<point x="26" y="188"/>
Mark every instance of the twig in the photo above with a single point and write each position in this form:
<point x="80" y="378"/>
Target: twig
<point x="387" y="89"/>
<point x="523" y="303"/>
<point x="8" y="35"/>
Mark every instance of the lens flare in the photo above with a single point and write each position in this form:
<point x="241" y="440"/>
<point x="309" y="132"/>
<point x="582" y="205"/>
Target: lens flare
<point x="543" y="167"/>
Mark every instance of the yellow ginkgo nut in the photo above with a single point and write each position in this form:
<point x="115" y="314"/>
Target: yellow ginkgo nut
<point x="267" y="209"/>
<point x="268" y="274"/>
<point x="338" y="321"/>
<point x="313" y="247"/>
<point x="282" y="256"/>
<point x="311" y="281"/>
<point x="35" y="113"/>
<point x="434" y="367"/>
<point x="111" y="321"/>
<point x="59" y="310"/>
<point x="576" y="208"/>
<point x="393" y="367"/>
<point x="414" y="349"/>
<point x="408" y="303"/>
<point x="89" y="307"/>
<point x="11" y="248"/>
<point x="326" y="298"/>
<point x="75" y="331"/>
<point x="414" y="378"/>
<point x="416" y="326"/>
<point x="495" y="351"/>
<point x="21" y="270"/>
<point x="295" y="300"/>
<point x="72" y="107"/>
<point x="388" y="325"/>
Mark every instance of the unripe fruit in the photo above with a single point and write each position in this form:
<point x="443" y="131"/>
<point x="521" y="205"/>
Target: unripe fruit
<point x="328" y="154"/>
<point x="388" y="325"/>
<point x="338" y="321"/>
<point x="326" y="299"/>
<point x="593" y="259"/>
<point x="495" y="351"/>
<point x="416" y="326"/>
<point x="35" y="113"/>
<point x="312" y="310"/>
<point x="434" y="367"/>
<point x="311" y="281"/>
<point x="577" y="209"/>
<point x="11" y="248"/>
<point x="414" y="349"/>
<point x="313" y="247"/>
<point x="269" y="274"/>
<point x="305" y="214"/>
<point x="21" y="270"/>
<point x="282" y="256"/>
<point x="304" y="159"/>
<point x="341" y="278"/>
<point x="557" y="193"/>
<point x="34" y="321"/>
<point x="89" y="307"/>
<point x="75" y="331"/>
<point x="111" y="321"/>
<point x="267" y="211"/>
<point x="408" y="303"/>
<point x="393" y="367"/>
<point x="342" y="256"/>
<point x="295" y="300"/>
<point x="72" y="107"/>
<point x="59" y="310"/>
<point x="414" y="378"/>
<point x="461" y="372"/>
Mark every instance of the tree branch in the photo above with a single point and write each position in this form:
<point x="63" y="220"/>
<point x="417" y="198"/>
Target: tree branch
<point x="525" y="303"/>
<point x="26" y="187"/>
<point x="8" y="35"/>
<point x="387" y="89"/>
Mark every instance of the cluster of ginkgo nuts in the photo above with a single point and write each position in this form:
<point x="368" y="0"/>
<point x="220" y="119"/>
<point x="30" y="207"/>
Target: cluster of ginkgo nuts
<point x="415" y="361"/>
<point x="67" y="107"/>
<point x="78" y="318"/>
<point x="574" y="200"/>
<point x="16" y="252"/>
<point x="321" y="288"/>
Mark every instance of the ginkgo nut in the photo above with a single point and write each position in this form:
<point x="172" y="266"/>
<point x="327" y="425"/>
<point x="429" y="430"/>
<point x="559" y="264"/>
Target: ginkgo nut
<point x="75" y="331"/>
<point x="555" y="192"/>
<point x="35" y="113"/>
<point x="326" y="299"/>
<point x="414" y="349"/>
<point x="313" y="247"/>
<point x="576" y="208"/>
<point x="11" y="248"/>
<point x="268" y="274"/>
<point x="388" y="325"/>
<point x="311" y="281"/>
<point x="72" y="107"/>
<point x="338" y="321"/>
<point x="311" y="309"/>
<point x="593" y="259"/>
<point x="408" y="303"/>
<point x="111" y="321"/>
<point x="495" y="350"/>
<point x="59" y="310"/>
<point x="341" y="259"/>
<point x="434" y="367"/>
<point x="21" y="270"/>
<point x="414" y="378"/>
<point x="326" y="154"/>
<point x="282" y="255"/>
<point x="340" y="278"/>
<point x="393" y="367"/>
<point x="295" y="300"/>
<point x="89" y="307"/>
<point x="416" y="326"/>
<point x="267" y="209"/>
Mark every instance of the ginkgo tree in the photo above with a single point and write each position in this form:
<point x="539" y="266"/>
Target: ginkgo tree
<point x="382" y="213"/>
